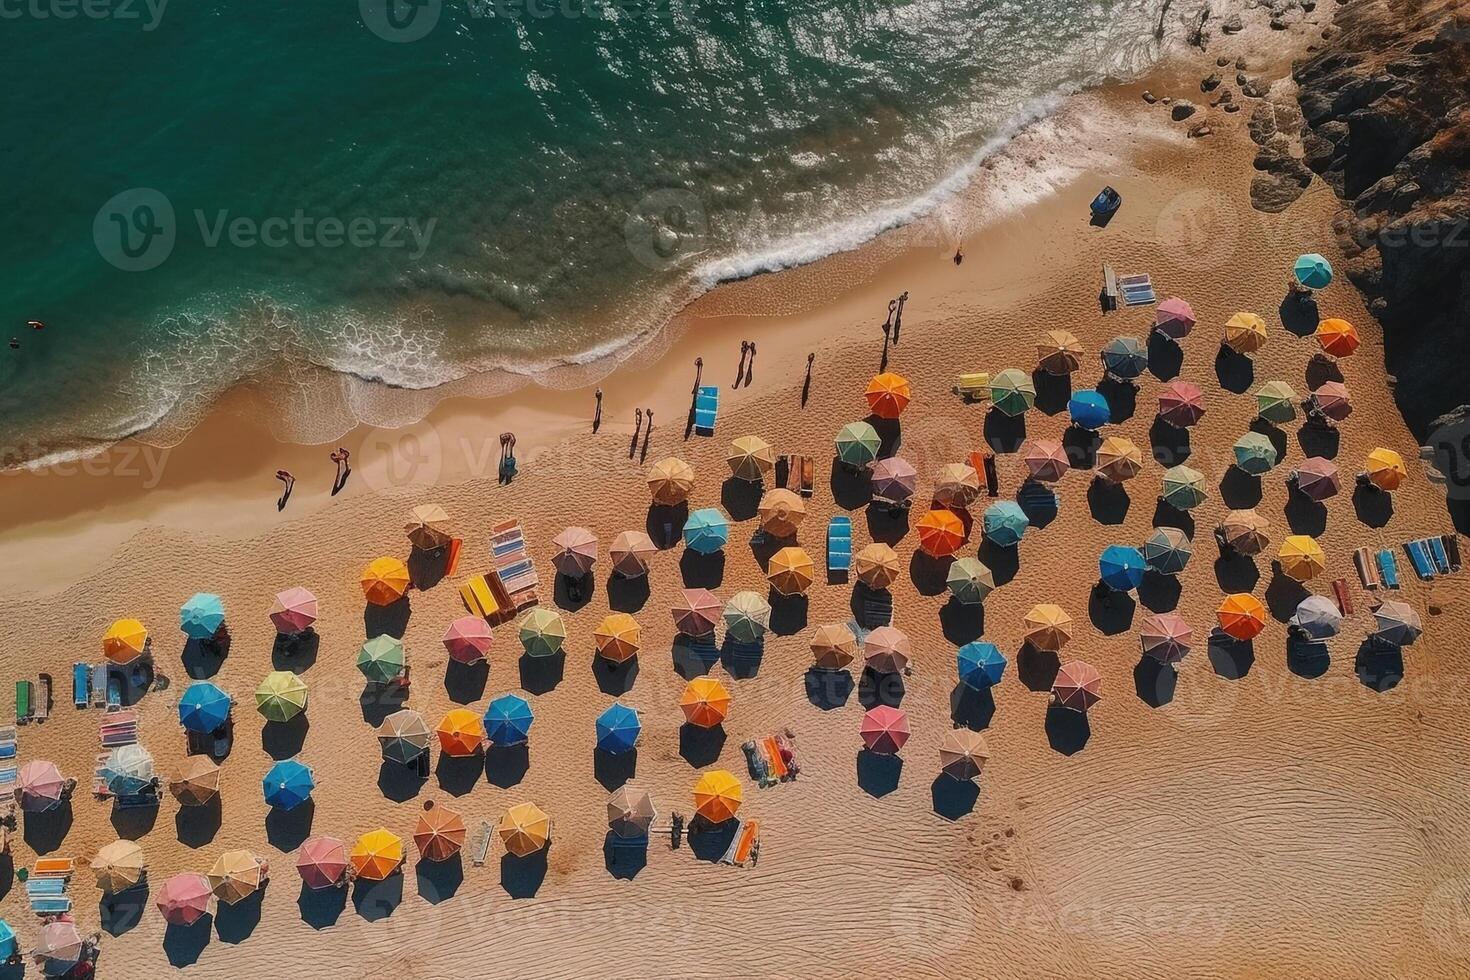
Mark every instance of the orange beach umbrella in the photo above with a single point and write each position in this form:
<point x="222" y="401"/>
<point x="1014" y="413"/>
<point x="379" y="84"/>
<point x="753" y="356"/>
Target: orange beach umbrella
<point x="1337" y="337"/>
<point x="941" y="533"/>
<point x="705" y="702"/>
<point x="384" y="581"/>
<point x="618" y="637"/>
<point x="460" y="733"/>
<point x="791" y="571"/>
<point x="1242" y="616"/>
<point x="125" y="641"/>
<point x="439" y="833"/>
<point x="888" y="395"/>
<point x="833" y="646"/>
<point x="524" y="829"/>
<point x="376" y="855"/>
<point x="718" y="795"/>
<point x="1386" y="469"/>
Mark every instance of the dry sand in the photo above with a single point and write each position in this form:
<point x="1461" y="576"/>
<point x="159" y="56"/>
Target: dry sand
<point x="1259" y="822"/>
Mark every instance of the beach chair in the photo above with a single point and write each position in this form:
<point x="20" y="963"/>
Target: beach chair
<point x="973" y="387"/>
<point x="1437" y="553"/>
<point x="1343" y="596"/>
<point x="984" y="465"/>
<point x="59" y="868"/>
<point x="839" y="547"/>
<point x="1110" y="289"/>
<point x="706" y="409"/>
<point x="1137" y="290"/>
<point x="1388" y="568"/>
<point x="478" y="598"/>
<point x="877" y="610"/>
<point x="747" y="843"/>
<point x="7" y="743"/>
<point x="1452" y="549"/>
<point x="114" y="691"/>
<point x="41" y="710"/>
<point x="99" y="686"/>
<point x="22" y="702"/>
<point x="81" y="685"/>
<point x="513" y="565"/>
<point x="118" y="728"/>
<point x="1419" y="558"/>
<point x="1367" y="571"/>
<point x="796" y="473"/>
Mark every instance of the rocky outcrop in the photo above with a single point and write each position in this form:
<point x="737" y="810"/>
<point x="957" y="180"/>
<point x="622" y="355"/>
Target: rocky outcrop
<point x="1386" y="122"/>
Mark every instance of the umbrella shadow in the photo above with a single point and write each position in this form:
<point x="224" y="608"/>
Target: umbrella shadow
<point x="121" y="911"/>
<point x="507" y="765"/>
<point x="1037" y="669"/>
<point x="740" y="498"/>
<point x="45" y="832"/>
<point x="615" y="679"/>
<point x="1081" y="446"/>
<point x="870" y="607"/>
<point x="1374" y="507"/>
<point x="438" y="881"/>
<point x="627" y="595"/>
<point x="203" y="658"/>
<point x="1283" y="594"/>
<point x="572" y="594"/>
<point x="929" y="573"/>
<point x="1158" y="592"/>
<point x="1306" y="658"/>
<point x="1111" y="611"/>
<point x="971" y="707"/>
<point x="1230" y="658"/>
<point x="541" y="675"/>
<point x="1107" y="501"/>
<point x="1299" y="314"/>
<point x="701" y="747"/>
<point x="709" y="841"/>
<point x="878" y="775"/>
<point x="665" y="524"/>
<point x="962" y="621"/>
<point x="887" y="525"/>
<point x="1004" y="433"/>
<point x="1303" y="514"/>
<point x="742" y="661"/>
<point x="522" y="877"/>
<point x="876" y="688"/>
<point x="613" y="769"/>
<point x="196" y="826"/>
<point x="827" y="689"/>
<point x="458" y="776"/>
<point x="1320" y="370"/>
<point x="851" y="487"/>
<point x="694" y="656"/>
<point x="284" y="739"/>
<point x="320" y="908"/>
<point x="1271" y="431"/>
<point x="1003" y="563"/>
<point x="390" y="620"/>
<point x="624" y="857"/>
<point x="398" y="782"/>
<point x="890" y="435"/>
<point x="1052" y="391"/>
<point x="1169" y="443"/>
<point x="1239" y="490"/>
<point x="1038" y="502"/>
<point x="1122" y="399"/>
<point x="1167" y="515"/>
<point x="788" y="613"/>
<point x="465" y="683"/>
<point x="295" y="653"/>
<point x="1319" y="440"/>
<point x="702" y="571"/>
<point x="374" y="901"/>
<point x="1067" y="731"/>
<point x="953" y="798"/>
<point x="183" y="945"/>
<point x="1165" y="356"/>
<point x="134" y="822"/>
<point x="1379" y="669"/>
<point x="287" y="829"/>
<point x="1236" y="573"/>
<point x="1235" y="372"/>
<point x="427" y="569"/>
<point x="233" y="924"/>
<point x="1154" y="682"/>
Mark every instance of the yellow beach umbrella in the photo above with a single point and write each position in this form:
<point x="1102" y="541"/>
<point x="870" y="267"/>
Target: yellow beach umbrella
<point x="1118" y="459"/>
<point x="1245" y="333"/>
<point x="618" y="637"/>
<point x="524" y="829"/>
<point x="670" y="481"/>
<point x="125" y="641"/>
<point x="119" y="866"/>
<point x="1386" y="469"/>
<point x="878" y="565"/>
<point x="791" y="571"/>
<point x="1301" y="557"/>
<point x="281" y="696"/>
<point x="751" y="458"/>
<point x="384" y="581"/>
<point x="376" y="855"/>
<point x="718" y="795"/>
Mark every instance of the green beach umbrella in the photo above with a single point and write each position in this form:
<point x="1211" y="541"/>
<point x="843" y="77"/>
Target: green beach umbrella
<point x="542" y="633"/>
<point x="1276" y="401"/>
<point x="1167" y="550"/>
<point x="281" y="696"/>
<point x="1254" y="453"/>
<point x="969" y="580"/>
<point x="1124" y="357"/>
<point x="381" y="659"/>
<point x="1012" y="392"/>
<point x="1184" y="487"/>
<point x="858" y="444"/>
<point x="747" y="617"/>
<point x="1312" y="270"/>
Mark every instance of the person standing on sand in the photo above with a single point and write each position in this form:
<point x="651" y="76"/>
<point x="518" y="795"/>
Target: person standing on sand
<point x="903" y="298"/>
<point x="637" y="428"/>
<point x="290" y="481"/>
<point x="883" y="361"/>
<point x="698" y="374"/>
<point x="750" y="365"/>
<point x="597" y="413"/>
<point x="344" y="469"/>
<point x="806" y="386"/>
<point x="647" y="434"/>
<point x="892" y="307"/>
<point x="959" y="254"/>
<point x="740" y="368"/>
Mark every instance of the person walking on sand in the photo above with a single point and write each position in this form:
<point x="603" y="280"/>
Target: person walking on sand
<point x="892" y="307"/>
<point x="903" y="298"/>
<point x="597" y="412"/>
<point x="510" y="456"/>
<point x="740" y="368"/>
<point x="806" y="386"/>
<point x="883" y="361"/>
<point x="750" y="365"/>
<point x="290" y="482"/>
<point x="647" y="434"/>
<point x="959" y="254"/>
<point x="698" y="374"/>
<point x="637" y="428"/>
<point x="344" y="469"/>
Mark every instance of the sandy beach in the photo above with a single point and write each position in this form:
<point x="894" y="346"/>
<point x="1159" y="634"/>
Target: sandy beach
<point x="1251" y="818"/>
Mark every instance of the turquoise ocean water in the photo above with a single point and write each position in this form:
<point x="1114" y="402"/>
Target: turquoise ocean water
<point x="198" y="192"/>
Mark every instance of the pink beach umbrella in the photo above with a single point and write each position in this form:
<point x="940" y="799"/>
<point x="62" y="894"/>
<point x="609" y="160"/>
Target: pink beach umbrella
<point x="184" y="899"/>
<point x="1174" y="318"/>
<point x="1317" y="477"/>
<point x="1181" y="404"/>
<point x="884" y="730"/>
<point x="468" y="639"/>
<point x="893" y="479"/>
<point x="322" y="862"/>
<point x="1332" y="400"/>
<point x="697" y="612"/>
<point x="41" y="786"/>
<point x="576" y="552"/>
<point x="294" y="611"/>
<point x="1045" y="460"/>
<point x="1166" y="637"/>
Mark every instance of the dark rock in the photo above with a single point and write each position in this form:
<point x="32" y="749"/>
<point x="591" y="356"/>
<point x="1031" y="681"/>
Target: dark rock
<point x="1231" y="107"/>
<point x="1200" y="129"/>
<point x="1221" y="61"/>
<point x="1262" y="125"/>
<point x="1182" y="110"/>
<point x="1232" y="24"/>
<point x="1254" y="88"/>
<point x="1149" y="97"/>
<point x="1210" y="82"/>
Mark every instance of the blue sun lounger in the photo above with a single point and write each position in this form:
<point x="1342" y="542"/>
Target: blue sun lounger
<point x="1389" y="567"/>
<point x="706" y="407"/>
<point x="1437" y="552"/>
<point x="1419" y="558"/>
<point x="81" y="684"/>
<point x="839" y="545"/>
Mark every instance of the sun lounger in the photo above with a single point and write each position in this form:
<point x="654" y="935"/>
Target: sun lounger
<point x="118" y="728"/>
<point x="98" y="695"/>
<point x="796" y="473"/>
<point x="22" y="702"/>
<point x="1367" y="571"/>
<point x="1137" y="290"/>
<point x="984" y="465"/>
<point x="478" y="598"/>
<point x="1437" y="552"/>
<point x="451" y="561"/>
<point x="1110" y="289"/>
<point x="755" y="762"/>
<point x="81" y="685"/>
<point x="513" y="565"/>
<point x="706" y="409"/>
<point x="877" y="610"/>
<point x="746" y="845"/>
<point x="114" y="691"/>
<point x="1419" y="558"/>
<point x="7" y="743"/>
<point x="839" y="546"/>
<point x="773" y="756"/>
<point x="1343" y="596"/>
<point x="1452" y="549"/>
<point x="42" y="706"/>
<point x="973" y="387"/>
<point x="62" y="868"/>
<point x="1389" y="568"/>
<point x="45" y="886"/>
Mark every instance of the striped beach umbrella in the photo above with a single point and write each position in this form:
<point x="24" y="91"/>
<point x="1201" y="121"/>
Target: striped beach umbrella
<point x="1012" y="392"/>
<point x="697" y="612"/>
<point x="718" y="795"/>
<point x="1167" y="550"/>
<point x="1245" y="333"/>
<point x="1386" y="469"/>
<point x="382" y="659"/>
<point x="884" y="729"/>
<point x="617" y="729"/>
<point x="969" y="580"/>
<point x="1121" y="568"/>
<point x="202" y="616"/>
<point x="878" y="565"/>
<point x="1174" y="318"/>
<point x="1124" y="358"/>
<point x="1005" y="523"/>
<point x="941" y="533"/>
<point x="1181" y="404"/>
<point x="1276" y="402"/>
<point x="1059" y="352"/>
<point x="468" y="639"/>
<point x="833" y="647"/>
<point x="670" y="481"/>
<point x="618" y="637"/>
<point x="858" y="444"/>
<point x="1077" y="686"/>
<point x="294" y="611"/>
<point x="963" y="754"/>
<point x="888" y="650"/>
<point x="706" y="531"/>
<point x="1088" y="409"/>
<point x="1254" y="453"/>
<point x="1184" y="487"/>
<point x="404" y="736"/>
<point x="1312" y="270"/>
<point x="542" y="632"/>
<point x="747" y="617"/>
<point x="288" y="784"/>
<point x="980" y="665"/>
<point x="705" y="702"/>
<point x="203" y="707"/>
<point x="1241" y="616"/>
<point x="508" y="720"/>
<point x="1165" y="637"/>
<point x="888" y="395"/>
<point x="385" y="581"/>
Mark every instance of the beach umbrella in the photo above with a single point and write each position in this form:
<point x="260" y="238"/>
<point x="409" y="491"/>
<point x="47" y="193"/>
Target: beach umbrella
<point x="941" y="533"/>
<point x="630" y="812"/>
<point x="235" y="876"/>
<point x="385" y="581"/>
<point x="1312" y="270"/>
<point x="382" y="659"/>
<point x="197" y="781"/>
<point x="833" y="647"/>
<point x="957" y="485"/>
<point x="1276" y="402"/>
<point x="1048" y="627"/>
<point x="1167" y="550"/>
<point x="428" y="528"/>
<point x="705" y="702"/>
<point x="1078" y="686"/>
<point x="969" y="580"/>
<point x="576" y="552"/>
<point x="717" y="795"/>
<point x="125" y="641"/>
<point x="404" y="736"/>
<point x="1386" y="469"/>
<point x="1316" y="477"/>
<point x="119" y="866"/>
<point x="1318" y="617"/>
<point x="617" y="729"/>
<point x="128" y="770"/>
<point x="542" y="633"/>
<point x="1184" y="487"/>
<point x="202" y="616"/>
<point x="706" y="531"/>
<point x="468" y="639"/>
<point x="893" y="479"/>
<point x="858" y="443"/>
<point x="322" y="862"/>
<point x="1174" y="318"/>
<point x="1337" y="337"/>
<point x="618" y="637"/>
<point x="203" y="707"/>
<point x="670" y="481"/>
<point x="1124" y="358"/>
<point x="631" y="552"/>
<point x="963" y="753"/>
<point x="1331" y="400"/>
<point x="751" y="458"/>
<point x="791" y="571"/>
<point x="888" y="395"/>
<point x="41" y="786"/>
<point x="1396" y="623"/>
<point x="294" y="611"/>
<point x="524" y="829"/>
<point x="1181" y="404"/>
<point x="697" y="612"/>
<point x="288" y="784"/>
<point x="59" y="948"/>
<point x="1118" y="459"/>
<point x="887" y="650"/>
<point x="747" y="617"/>
<point x="1059" y="352"/>
<point x="1121" y="567"/>
<point x="1254" y="453"/>
<point x="980" y="665"/>
<point x="461" y="733"/>
<point x="884" y="729"/>
<point x="1005" y="523"/>
<point x="1012" y="392"/>
<point x="878" y="565"/>
<point x="1241" y="616"/>
<point x="508" y="720"/>
<point x="8" y="945"/>
<point x="1045" y="460"/>
<point x="1301" y="557"/>
<point x="1165" y="637"/>
<point x="1088" y="409"/>
<point x="781" y="512"/>
<point x="1243" y="531"/>
<point x="184" y="899"/>
<point x="376" y="855"/>
<point x="1245" y="333"/>
<point x="439" y="833"/>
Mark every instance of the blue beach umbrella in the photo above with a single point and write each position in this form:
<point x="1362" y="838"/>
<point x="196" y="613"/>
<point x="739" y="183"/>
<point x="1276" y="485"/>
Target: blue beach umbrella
<point x="508" y="720"/>
<point x="1089" y="409"/>
<point x="1004" y="523"/>
<point x="203" y="707"/>
<point x="288" y="784"/>
<point x="706" y="531"/>
<point x="981" y="664"/>
<point x="7" y="940"/>
<point x="618" y="728"/>
<point x="1124" y="357"/>
<point x="202" y="616"/>
<point x="1312" y="270"/>
<point x="1122" y="568"/>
